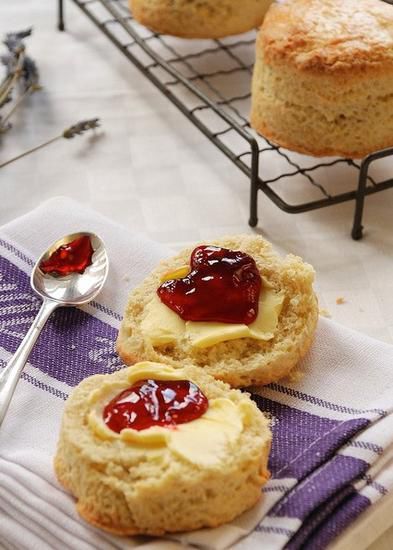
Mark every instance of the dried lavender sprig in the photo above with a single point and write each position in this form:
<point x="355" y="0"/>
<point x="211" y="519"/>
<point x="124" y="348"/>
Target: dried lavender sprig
<point x="30" y="76"/>
<point x="8" y="61"/>
<point x="77" y="129"/>
<point x="4" y="124"/>
<point x="5" y="91"/>
<point x="19" y="67"/>
<point x="11" y="80"/>
<point x="30" y="82"/>
<point x="14" y="40"/>
<point x="81" y="127"/>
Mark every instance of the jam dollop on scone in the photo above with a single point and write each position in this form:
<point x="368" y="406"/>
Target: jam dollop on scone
<point x="232" y="307"/>
<point x="150" y="403"/>
<point x="221" y="286"/>
<point x="151" y="449"/>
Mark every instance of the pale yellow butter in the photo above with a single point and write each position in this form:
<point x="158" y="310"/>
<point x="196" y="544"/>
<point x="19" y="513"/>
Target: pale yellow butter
<point x="204" y="335"/>
<point x="204" y="441"/>
<point x="163" y="326"/>
<point x="178" y="273"/>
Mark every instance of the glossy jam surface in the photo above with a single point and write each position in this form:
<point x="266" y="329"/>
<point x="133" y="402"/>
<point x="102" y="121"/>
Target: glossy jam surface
<point x="155" y="403"/>
<point x="223" y="286"/>
<point x="72" y="257"/>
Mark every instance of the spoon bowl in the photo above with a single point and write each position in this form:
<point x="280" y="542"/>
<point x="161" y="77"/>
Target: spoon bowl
<point x="73" y="289"/>
<point x="56" y="290"/>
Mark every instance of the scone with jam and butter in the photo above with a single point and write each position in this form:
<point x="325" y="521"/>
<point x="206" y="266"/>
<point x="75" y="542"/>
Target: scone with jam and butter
<point x="232" y="307"/>
<point x="151" y="450"/>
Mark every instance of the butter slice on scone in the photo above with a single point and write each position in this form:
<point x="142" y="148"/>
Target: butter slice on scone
<point x="258" y="353"/>
<point x="162" y="326"/>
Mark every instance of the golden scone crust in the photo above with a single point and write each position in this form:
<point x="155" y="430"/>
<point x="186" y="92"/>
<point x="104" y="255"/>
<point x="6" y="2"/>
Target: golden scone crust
<point x="323" y="78"/>
<point x="244" y="361"/>
<point x="137" y="491"/>
<point x="200" y="19"/>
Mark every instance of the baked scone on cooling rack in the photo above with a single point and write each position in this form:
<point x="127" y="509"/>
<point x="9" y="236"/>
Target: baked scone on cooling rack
<point x="153" y="450"/>
<point x="323" y="78"/>
<point x="200" y="19"/>
<point x="232" y="307"/>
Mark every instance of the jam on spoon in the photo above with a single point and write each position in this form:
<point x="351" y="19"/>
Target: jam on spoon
<point x="222" y="286"/>
<point x="72" y="257"/>
<point x="155" y="403"/>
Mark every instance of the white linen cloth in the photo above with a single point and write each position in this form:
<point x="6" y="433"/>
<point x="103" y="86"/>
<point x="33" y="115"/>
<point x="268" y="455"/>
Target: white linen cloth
<point x="332" y="457"/>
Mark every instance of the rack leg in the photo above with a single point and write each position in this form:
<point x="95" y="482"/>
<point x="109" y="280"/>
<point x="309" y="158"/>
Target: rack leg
<point x="357" y="229"/>
<point x="60" y="15"/>
<point x="253" y="221"/>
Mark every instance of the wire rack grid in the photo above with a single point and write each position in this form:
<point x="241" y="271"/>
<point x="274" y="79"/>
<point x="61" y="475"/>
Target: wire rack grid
<point x="209" y="81"/>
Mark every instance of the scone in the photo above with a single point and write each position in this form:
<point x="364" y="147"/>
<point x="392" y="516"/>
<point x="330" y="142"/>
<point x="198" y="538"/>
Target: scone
<point x="153" y="450"/>
<point x="200" y="19"/>
<point x="274" y="330"/>
<point x="323" y="77"/>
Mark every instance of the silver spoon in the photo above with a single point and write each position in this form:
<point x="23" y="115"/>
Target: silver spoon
<point x="56" y="291"/>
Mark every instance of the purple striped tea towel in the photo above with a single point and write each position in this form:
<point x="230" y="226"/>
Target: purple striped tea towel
<point x="332" y="455"/>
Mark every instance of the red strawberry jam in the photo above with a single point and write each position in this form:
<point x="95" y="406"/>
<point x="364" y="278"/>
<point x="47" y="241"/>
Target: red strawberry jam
<point x="72" y="257"/>
<point x="223" y="286"/>
<point x="155" y="403"/>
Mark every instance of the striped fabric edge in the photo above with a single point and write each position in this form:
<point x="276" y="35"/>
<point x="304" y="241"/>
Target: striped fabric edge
<point x="22" y="493"/>
<point x="301" y="396"/>
<point x="34" y="381"/>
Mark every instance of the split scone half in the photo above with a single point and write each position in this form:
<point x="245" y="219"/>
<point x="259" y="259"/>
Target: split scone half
<point x="258" y="353"/>
<point x="153" y="450"/>
<point x="196" y="19"/>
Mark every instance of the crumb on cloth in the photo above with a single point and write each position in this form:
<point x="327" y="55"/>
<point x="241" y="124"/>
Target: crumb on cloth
<point x="324" y="312"/>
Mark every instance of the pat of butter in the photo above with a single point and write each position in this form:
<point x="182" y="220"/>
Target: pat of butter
<point x="163" y="326"/>
<point x="205" y="441"/>
<point x="203" y="335"/>
<point x="178" y="273"/>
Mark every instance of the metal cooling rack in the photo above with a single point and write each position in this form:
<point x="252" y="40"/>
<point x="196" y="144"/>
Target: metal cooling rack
<point x="209" y="82"/>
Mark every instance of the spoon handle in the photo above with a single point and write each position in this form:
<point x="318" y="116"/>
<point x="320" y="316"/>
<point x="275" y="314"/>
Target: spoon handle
<point x="10" y="375"/>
